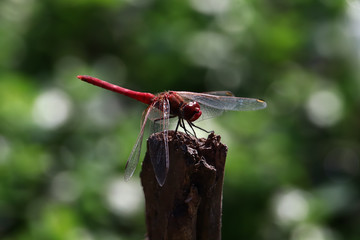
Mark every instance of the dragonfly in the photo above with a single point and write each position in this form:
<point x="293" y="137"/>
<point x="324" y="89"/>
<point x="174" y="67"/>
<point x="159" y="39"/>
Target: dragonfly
<point x="188" y="107"/>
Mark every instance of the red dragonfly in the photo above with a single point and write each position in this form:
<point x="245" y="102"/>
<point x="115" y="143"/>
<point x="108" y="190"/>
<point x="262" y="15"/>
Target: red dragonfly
<point x="187" y="106"/>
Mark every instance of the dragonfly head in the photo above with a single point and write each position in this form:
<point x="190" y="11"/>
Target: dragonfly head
<point x="191" y="111"/>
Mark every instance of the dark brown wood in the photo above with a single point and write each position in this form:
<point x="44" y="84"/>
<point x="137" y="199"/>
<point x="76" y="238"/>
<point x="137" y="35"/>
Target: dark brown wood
<point x="189" y="205"/>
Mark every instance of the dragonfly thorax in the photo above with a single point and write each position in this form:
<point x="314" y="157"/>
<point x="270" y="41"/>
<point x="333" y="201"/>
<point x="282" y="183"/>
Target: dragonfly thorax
<point x="190" y="111"/>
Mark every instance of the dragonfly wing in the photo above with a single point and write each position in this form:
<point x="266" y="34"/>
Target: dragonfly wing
<point x="156" y="124"/>
<point x="209" y="112"/>
<point x="220" y="93"/>
<point x="225" y="102"/>
<point x="159" y="150"/>
<point x="155" y="114"/>
<point x="135" y="152"/>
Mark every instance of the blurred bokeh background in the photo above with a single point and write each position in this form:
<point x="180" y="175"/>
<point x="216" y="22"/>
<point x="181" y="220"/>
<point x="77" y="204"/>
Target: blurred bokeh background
<point x="292" y="169"/>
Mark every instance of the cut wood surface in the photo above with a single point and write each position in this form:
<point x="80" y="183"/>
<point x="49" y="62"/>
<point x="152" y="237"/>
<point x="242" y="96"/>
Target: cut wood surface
<point x="189" y="205"/>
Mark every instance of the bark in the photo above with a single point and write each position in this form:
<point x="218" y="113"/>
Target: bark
<point x="189" y="204"/>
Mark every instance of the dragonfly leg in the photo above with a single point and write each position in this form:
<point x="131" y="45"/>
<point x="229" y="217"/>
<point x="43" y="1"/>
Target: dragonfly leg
<point x="177" y="125"/>
<point x="193" y="125"/>
<point x="182" y="125"/>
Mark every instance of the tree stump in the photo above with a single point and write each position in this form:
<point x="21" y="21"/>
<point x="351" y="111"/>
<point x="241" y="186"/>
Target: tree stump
<point x="189" y="205"/>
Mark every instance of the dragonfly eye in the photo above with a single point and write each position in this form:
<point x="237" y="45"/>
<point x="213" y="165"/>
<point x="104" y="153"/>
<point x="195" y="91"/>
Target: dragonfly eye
<point x="191" y="111"/>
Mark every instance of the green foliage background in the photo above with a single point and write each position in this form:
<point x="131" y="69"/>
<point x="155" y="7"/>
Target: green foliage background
<point x="292" y="169"/>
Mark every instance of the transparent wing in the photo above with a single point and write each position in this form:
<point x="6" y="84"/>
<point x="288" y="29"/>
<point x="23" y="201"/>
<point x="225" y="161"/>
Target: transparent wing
<point x="159" y="150"/>
<point x="220" y="93"/>
<point x="133" y="159"/>
<point x="209" y="112"/>
<point x="215" y="103"/>
<point x="155" y="114"/>
<point x="225" y="102"/>
<point x="156" y="125"/>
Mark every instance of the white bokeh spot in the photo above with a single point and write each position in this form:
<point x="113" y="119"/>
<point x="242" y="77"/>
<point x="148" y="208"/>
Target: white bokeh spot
<point x="124" y="198"/>
<point x="291" y="207"/>
<point x="210" y="6"/>
<point x="51" y="109"/>
<point x="324" y="108"/>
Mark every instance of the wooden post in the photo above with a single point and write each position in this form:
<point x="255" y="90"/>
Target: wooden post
<point x="189" y="205"/>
